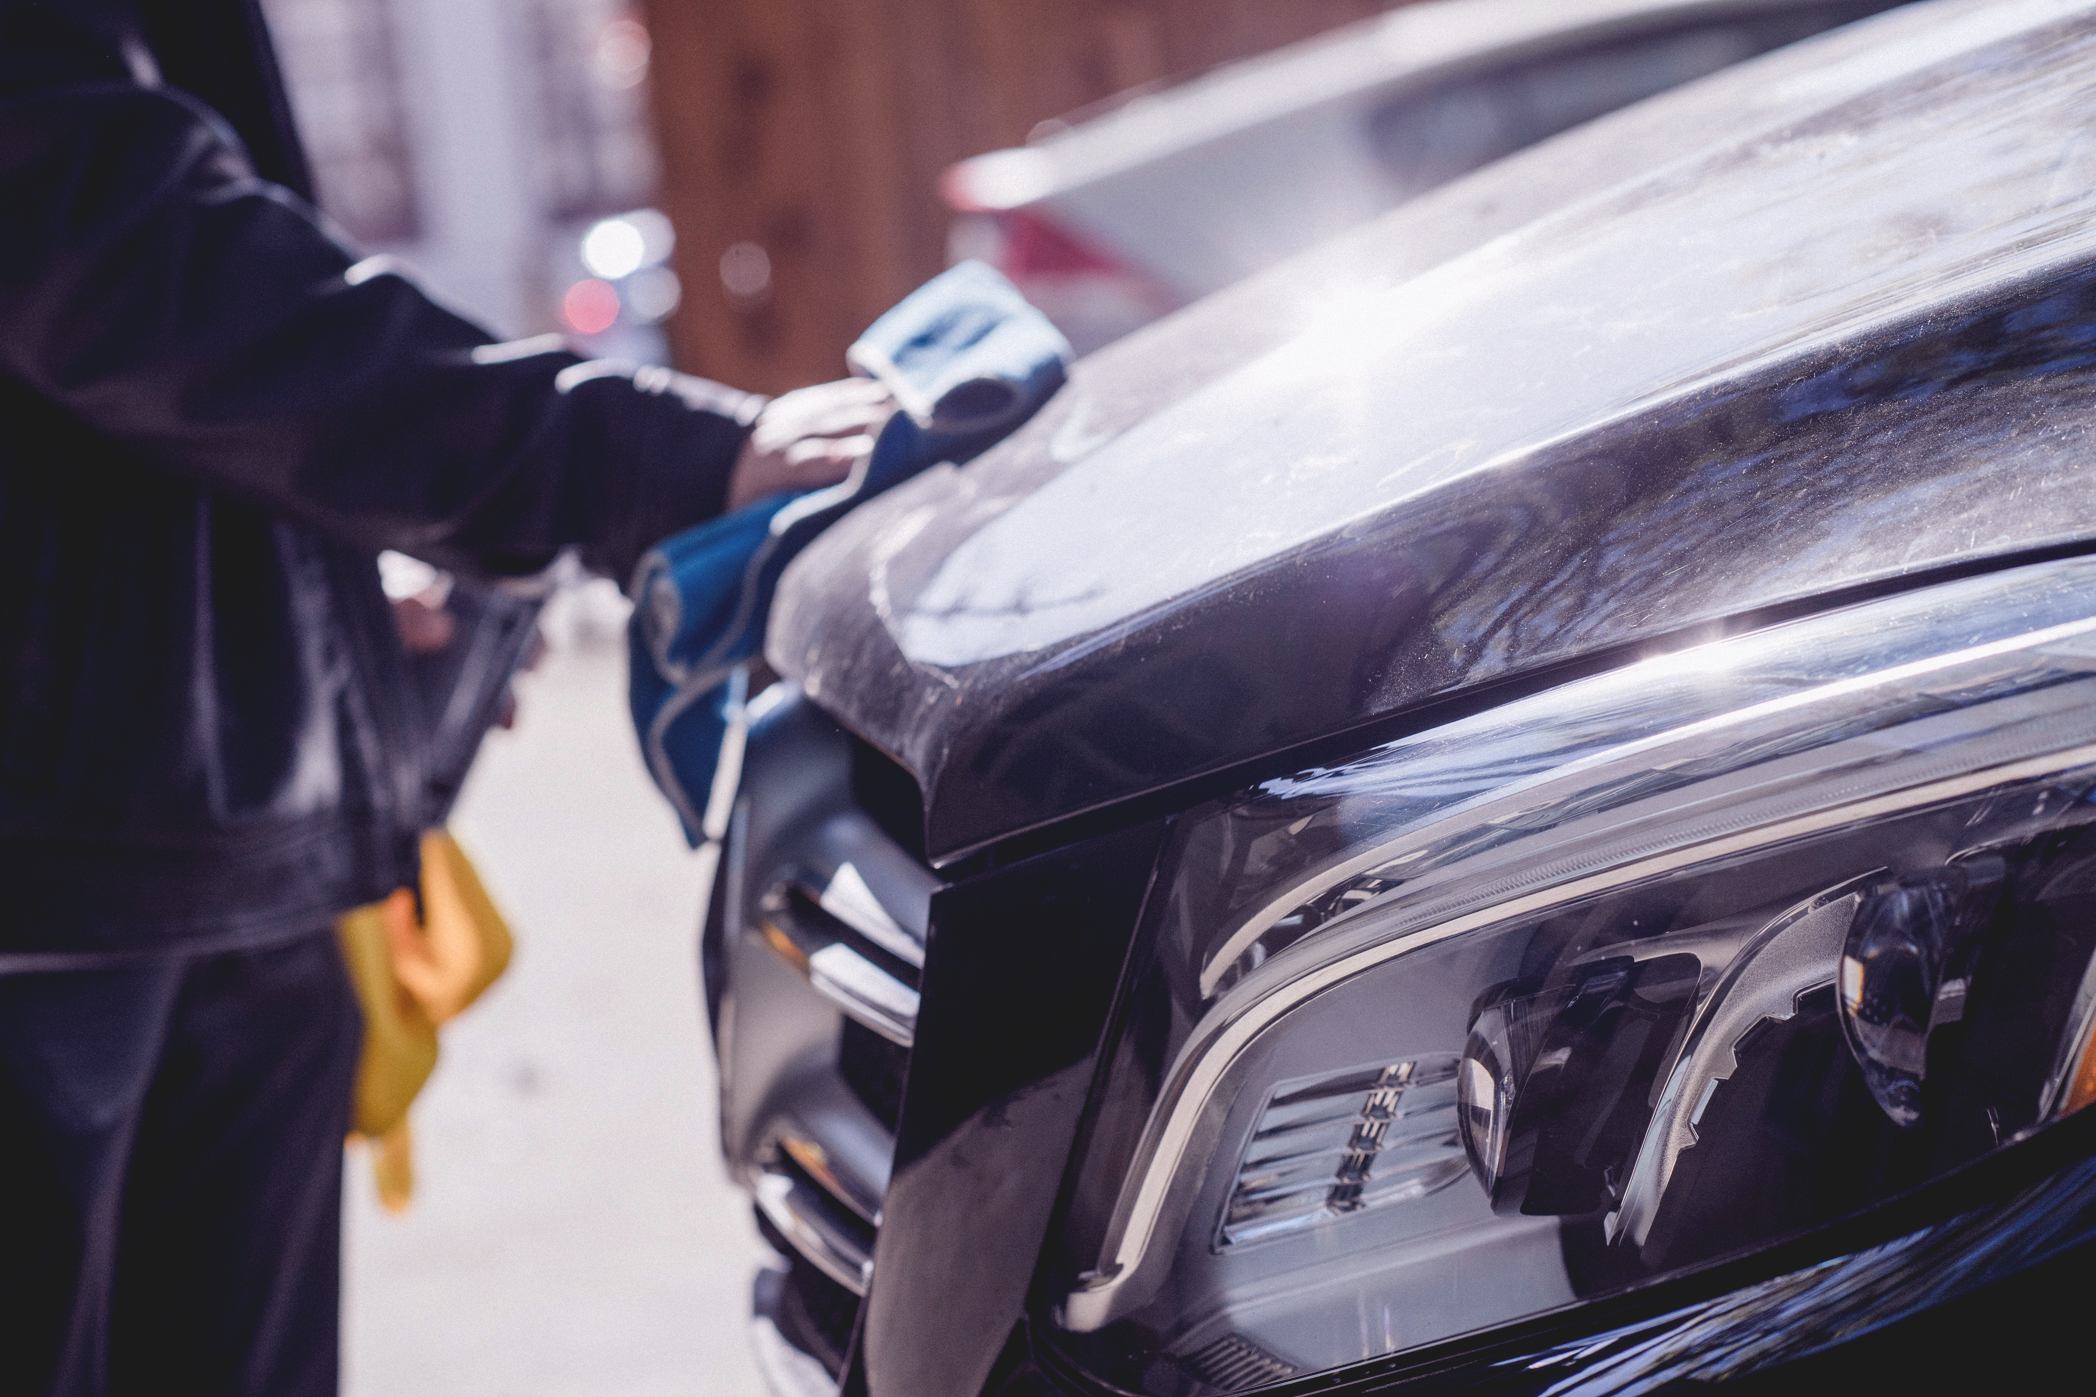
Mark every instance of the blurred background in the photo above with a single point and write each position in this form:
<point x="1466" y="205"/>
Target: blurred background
<point x="736" y="187"/>
<point x="522" y="154"/>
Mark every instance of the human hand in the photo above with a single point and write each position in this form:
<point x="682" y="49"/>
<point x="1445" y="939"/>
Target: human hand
<point x="809" y="438"/>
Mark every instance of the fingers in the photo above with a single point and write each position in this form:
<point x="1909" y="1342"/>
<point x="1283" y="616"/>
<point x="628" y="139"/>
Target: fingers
<point x="845" y="408"/>
<point x="843" y="395"/>
<point x="831" y="457"/>
<point x="809" y="463"/>
<point x="810" y="438"/>
<point x="814" y="462"/>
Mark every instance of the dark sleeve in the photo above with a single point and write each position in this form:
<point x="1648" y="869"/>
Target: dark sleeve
<point x="154" y="287"/>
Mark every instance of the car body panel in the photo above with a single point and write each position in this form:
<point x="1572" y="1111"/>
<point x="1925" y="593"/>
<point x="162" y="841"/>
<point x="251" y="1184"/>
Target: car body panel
<point x="1017" y="998"/>
<point x="1806" y="349"/>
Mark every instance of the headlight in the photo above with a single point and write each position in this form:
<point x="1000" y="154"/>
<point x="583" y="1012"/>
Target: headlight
<point x="1658" y="967"/>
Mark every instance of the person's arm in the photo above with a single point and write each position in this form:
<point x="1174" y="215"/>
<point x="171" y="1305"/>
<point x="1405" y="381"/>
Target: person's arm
<point x="153" y="286"/>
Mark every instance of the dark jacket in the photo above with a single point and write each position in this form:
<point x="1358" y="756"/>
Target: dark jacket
<point x="212" y="417"/>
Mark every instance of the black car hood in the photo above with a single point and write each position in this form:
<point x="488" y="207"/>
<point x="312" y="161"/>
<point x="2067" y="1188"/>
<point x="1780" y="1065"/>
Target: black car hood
<point x="1823" y="320"/>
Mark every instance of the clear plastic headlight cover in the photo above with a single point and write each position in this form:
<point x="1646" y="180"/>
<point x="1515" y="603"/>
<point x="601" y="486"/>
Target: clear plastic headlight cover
<point x="1655" y="968"/>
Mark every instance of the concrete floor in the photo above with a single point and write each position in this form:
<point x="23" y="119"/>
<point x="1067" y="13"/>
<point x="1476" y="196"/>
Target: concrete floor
<point x="573" y="1233"/>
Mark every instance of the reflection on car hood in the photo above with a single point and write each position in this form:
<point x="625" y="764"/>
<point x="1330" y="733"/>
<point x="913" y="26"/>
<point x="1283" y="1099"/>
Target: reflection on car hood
<point x="1823" y="319"/>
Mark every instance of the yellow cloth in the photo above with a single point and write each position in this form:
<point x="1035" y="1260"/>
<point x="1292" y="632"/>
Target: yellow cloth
<point x="410" y="976"/>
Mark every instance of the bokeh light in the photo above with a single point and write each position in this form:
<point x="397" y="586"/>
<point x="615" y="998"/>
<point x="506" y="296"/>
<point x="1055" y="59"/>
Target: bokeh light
<point x="745" y="273"/>
<point x="621" y="59"/>
<point x="614" y="248"/>
<point x="590" y="306"/>
<point x="653" y="294"/>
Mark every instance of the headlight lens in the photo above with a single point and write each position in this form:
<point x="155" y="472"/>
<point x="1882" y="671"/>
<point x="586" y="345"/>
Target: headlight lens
<point x="1655" y="968"/>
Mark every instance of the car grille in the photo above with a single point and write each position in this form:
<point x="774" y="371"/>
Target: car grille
<point x="812" y="1312"/>
<point x="821" y="941"/>
<point x="873" y="1068"/>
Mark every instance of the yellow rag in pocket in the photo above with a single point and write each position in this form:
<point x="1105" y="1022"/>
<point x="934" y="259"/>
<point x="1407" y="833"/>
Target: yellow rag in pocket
<point x="412" y="975"/>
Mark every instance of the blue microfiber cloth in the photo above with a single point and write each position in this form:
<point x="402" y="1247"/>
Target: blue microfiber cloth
<point x="968" y="360"/>
<point x="966" y="357"/>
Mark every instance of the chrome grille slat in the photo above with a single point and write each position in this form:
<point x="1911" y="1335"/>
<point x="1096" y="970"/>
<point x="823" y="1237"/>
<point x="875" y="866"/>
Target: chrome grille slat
<point x="819" y="946"/>
<point x="805" y="1217"/>
<point x="847" y="898"/>
<point x="834" y="1140"/>
<point x="866" y="992"/>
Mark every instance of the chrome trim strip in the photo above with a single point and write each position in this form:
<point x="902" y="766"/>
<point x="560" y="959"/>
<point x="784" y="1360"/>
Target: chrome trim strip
<point x="865" y="992"/>
<point x="1798" y="953"/>
<point x="1263" y="919"/>
<point x="801" y="1218"/>
<point x="1203" y="1065"/>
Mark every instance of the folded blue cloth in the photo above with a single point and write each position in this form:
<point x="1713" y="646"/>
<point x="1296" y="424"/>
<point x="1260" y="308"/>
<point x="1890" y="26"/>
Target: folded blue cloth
<point x="968" y="360"/>
<point x="966" y="357"/>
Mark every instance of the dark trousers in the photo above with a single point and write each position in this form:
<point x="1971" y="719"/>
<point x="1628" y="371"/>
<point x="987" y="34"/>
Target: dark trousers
<point x="171" y="1174"/>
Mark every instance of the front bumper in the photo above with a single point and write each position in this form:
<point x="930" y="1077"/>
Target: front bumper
<point x="910" y="1186"/>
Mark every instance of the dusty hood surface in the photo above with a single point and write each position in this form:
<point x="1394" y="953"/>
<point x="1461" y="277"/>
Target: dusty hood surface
<point x="1824" y="319"/>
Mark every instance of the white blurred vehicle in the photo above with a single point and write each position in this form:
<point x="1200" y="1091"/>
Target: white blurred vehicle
<point x="1108" y="219"/>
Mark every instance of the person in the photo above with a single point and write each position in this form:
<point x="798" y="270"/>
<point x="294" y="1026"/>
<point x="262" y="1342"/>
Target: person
<point x="213" y="416"/>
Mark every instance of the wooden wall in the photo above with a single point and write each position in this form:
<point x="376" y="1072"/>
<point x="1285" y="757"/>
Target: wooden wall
<point x="817" y="129"/>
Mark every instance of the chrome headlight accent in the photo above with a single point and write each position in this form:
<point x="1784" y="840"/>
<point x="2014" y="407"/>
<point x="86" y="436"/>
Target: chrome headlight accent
<point x="1343" y="1142"/>
<point x="1592" y="910"/>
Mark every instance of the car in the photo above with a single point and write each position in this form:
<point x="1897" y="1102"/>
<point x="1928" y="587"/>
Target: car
<point x="1111" y="217"/>
<point x="1507" y="806"/>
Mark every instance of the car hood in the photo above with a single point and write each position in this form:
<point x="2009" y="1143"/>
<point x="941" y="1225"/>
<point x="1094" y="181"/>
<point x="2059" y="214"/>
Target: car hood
<point x="1818" y="322"/>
